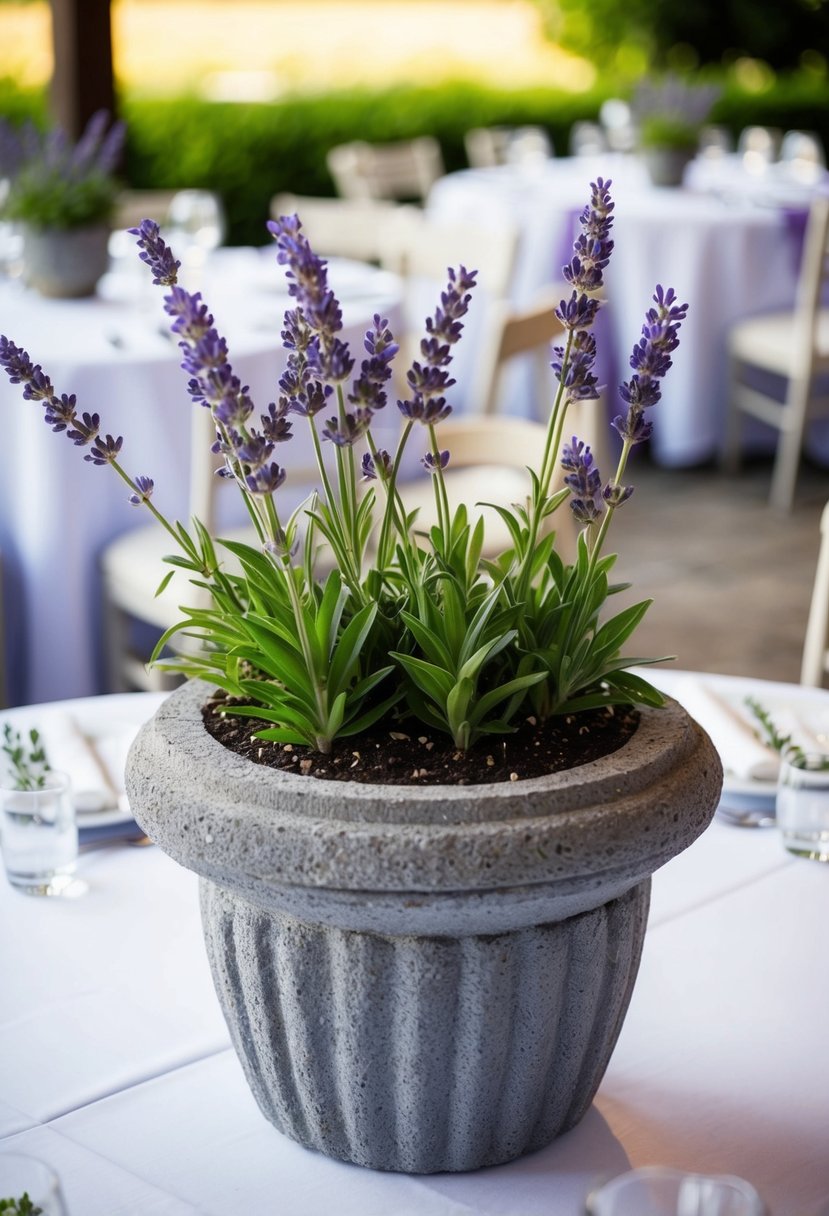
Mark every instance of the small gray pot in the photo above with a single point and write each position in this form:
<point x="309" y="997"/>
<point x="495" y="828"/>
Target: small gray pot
<point x="65" y="263"/>
<point x="423" y="979"/>
<point x="666" y="166"/>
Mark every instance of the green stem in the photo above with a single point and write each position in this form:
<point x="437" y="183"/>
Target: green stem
<point x="441" y="497"/>
<point x="605" y="524"/>
<point x="555" y="428"/>
<point x="393" y="502"/>
<point x="148" y="503"/>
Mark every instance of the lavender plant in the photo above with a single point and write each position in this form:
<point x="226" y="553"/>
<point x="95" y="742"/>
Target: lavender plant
<point x="343" y="613"/>
<point x="669" y="111"/>
<point x="56" y="184"/>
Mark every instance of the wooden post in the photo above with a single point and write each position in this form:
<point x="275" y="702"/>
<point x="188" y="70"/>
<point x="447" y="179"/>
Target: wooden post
<point x="83" y="81"/>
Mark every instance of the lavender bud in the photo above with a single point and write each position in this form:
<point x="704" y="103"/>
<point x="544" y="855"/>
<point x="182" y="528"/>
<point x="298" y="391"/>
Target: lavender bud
<point x="429" y="462"/>
<point x="144" y="487"/>
<point x="614" y="494"/>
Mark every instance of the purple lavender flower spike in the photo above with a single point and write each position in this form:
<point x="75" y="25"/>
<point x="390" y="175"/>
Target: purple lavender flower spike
<point x="144" y="491"/>
<point x="577" y="376"/>
<point x="156" y="253"/>
<point x="593" y="247"/>
<point x="317" y="356"/>
<point x="583" y="480"/>
<point x="650" y="360"/>
<point x="584" y="272"/>
<point x="429" y="380"/>
<point x="431" y="463"/>
<point x="60" y="413"/>
<point x="367" y="392"/>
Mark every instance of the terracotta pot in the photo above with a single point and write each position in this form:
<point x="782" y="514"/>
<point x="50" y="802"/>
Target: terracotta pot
<point x="65" y="263"/>
<point x="423" y="979"/>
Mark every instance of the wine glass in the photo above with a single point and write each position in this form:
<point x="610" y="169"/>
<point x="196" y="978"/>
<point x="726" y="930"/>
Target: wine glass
<point x="195" y="226"/>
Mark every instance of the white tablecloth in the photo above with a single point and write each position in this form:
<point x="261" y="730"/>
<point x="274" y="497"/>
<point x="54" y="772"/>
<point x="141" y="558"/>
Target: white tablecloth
<point x="56" y="510"/>
<point x="115" y="1064"/>
<point x="725" y="244"/>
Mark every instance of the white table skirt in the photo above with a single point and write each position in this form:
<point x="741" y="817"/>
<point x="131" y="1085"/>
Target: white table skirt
<point x="57" y="511"/>
<point x="728" y="253"/>
<point x="115" y="1064"/>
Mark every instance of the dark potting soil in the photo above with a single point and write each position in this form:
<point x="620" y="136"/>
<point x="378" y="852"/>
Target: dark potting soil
<point x="412" y="754"/>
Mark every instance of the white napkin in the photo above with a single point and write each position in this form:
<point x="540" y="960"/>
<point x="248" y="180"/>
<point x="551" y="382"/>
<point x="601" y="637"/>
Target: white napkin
<point x="741" y="751"/>
<point x="95" y="786"/>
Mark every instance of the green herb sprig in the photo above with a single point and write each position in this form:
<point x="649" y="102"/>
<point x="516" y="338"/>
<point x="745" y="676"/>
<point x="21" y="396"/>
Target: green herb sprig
<point x="28" y="765"/>
<point x="20" y="1207"/>
<point x="771" y="736"/>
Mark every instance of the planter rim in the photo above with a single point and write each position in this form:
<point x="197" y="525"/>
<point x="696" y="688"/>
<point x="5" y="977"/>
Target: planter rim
<point x="221" y="814"/>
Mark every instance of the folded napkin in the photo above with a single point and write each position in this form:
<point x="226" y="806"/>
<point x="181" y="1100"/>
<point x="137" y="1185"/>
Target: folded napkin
<point x="743" y="754"/>
<point x="95" y="767"/>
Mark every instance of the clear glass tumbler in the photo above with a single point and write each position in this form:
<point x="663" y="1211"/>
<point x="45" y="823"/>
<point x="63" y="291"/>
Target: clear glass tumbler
<point x="39" y="835"/>
<point x="803" y="804"/>
<point x="655" y="1190"/>
<point x="31" y="1185"/>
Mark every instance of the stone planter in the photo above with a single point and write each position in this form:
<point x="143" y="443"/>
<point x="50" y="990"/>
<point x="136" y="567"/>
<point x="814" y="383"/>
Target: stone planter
<point x="423" y="979"/>
<point x="65" y="263"/>
<point x="666" y="166"/>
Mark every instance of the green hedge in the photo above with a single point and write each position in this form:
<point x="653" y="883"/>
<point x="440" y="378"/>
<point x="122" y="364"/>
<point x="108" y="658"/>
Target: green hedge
<point x="251" y="152"/>
<point x="248" y="152"/>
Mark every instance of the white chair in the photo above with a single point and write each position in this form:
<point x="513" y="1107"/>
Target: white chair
<point x="133" y="206"/>
<point x="422" y="247"/>
<point x="587" y="139"/>
<point x="802" y="156"/>
<point x="758" y="147"/>
<point x="489" y="455"/>
<point x="816" y="645"/>
<point x="132" y="567"/>
<point x="794" y="345"/>
<point x="490" y="146"/>
<point x="405" y="170"/>
<point x="488" y="463"/>
<point x="512" y="333"/>
<point x="343" y="227"/>
<point x="420" y="250"/>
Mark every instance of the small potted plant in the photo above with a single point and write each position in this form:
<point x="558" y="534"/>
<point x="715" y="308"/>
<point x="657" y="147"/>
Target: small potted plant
<point x="669" y="114"/>
<point x="62" y="195"/>
<point x="423" y="790"/>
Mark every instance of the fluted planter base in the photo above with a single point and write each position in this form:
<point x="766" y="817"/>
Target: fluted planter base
<point x="423" y="978"/>
<point x="423" y="1054"/>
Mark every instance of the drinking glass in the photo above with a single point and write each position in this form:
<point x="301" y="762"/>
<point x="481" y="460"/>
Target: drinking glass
<point x="21" y="1175"/>
<point x="803" y="804"/>
<point x="39" y="835"/>
<point x="196" y="224"/>
<point x="656" y="1191"/>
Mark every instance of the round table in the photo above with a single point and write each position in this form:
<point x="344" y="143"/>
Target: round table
<point x="728" y="243"/>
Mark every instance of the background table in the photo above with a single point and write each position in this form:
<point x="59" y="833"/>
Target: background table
<point x="115" y="1064"/>
<point x="728" y="243"/>
<point x="56" y="510"/>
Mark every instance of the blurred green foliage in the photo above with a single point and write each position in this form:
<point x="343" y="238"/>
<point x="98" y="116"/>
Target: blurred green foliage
<point x="685" y="33"/>
<point x="249" y="152"/>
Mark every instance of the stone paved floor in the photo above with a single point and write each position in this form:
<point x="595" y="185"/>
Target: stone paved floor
<point x="731" y="579"/>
